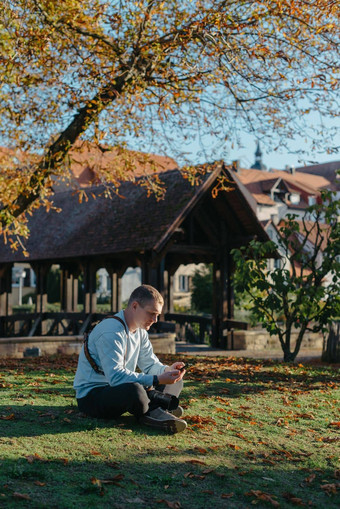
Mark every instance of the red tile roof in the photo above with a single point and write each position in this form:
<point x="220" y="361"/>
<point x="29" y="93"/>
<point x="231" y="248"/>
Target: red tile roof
<point x="259" y="183"/>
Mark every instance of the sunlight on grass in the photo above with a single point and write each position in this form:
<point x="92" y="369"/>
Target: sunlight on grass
<point x="258" y="432"/>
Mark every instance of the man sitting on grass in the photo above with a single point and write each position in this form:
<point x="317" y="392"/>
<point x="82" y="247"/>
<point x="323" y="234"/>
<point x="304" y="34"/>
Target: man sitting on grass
<point x="106" y="382"/>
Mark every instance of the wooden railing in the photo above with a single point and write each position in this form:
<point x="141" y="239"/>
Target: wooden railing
<point x="204" y="323"/>
<point x="73" y="324"/>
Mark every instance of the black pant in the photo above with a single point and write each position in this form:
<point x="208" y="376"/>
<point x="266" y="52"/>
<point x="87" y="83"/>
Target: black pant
<point x="111" y="402"/>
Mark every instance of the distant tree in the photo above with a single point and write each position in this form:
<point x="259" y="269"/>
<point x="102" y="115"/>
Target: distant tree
<point x="202" y="286"/>
<point x="303" y="294"/>
<point x="161" y="71"/>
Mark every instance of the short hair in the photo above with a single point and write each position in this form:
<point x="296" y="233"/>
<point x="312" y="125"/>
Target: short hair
<point x="145" y="293"/>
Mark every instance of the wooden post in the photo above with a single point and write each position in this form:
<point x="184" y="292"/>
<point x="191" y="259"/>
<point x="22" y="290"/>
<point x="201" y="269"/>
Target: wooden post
<point x="118" y="291"/>
<point x="169" y="287"/>
<point x="230" y="287"/>
<point x="113" y="300"/>
<point x="6" y="289"/>
<point x="41" y="270"/>
<point x="215" y="305"/>
<point x="220" y="291"/>
<point x="69" y="288"/>
<point x="90" y="296"/>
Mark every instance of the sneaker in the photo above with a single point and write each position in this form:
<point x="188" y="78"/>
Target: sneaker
<point x="177" y="412"/>
<point x="161" y="419"/>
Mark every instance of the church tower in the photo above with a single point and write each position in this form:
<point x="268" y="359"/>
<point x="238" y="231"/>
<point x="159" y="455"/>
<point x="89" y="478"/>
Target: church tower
<point x="258" y="165"/>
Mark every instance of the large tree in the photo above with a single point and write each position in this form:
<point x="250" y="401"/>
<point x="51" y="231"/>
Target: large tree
<point x="302" y="294"/>
<point x="122" y="69"/>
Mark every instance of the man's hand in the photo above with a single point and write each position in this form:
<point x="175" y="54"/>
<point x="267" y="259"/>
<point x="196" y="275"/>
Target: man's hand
<point x="175" y="365"/>
<point x="171" y="376"/>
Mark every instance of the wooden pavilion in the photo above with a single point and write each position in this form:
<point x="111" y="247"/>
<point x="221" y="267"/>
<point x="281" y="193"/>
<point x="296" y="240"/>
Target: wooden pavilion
<point x="190" y="225"/>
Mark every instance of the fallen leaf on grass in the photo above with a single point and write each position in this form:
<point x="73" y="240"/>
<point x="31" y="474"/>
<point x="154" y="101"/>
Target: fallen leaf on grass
<point x="197" y="419"/>
<point x="9" y="417"/>
<point x="34" y="457"/>
<point x="293" y="499"/>
<point x="63" y="460"/>
<point x="239" y="435"/>
<point x="172" y="447"/>
<point x="196" y="462"/>
<point x="21" y="495"/>
<point x="210" y="492"/>
<point x="329" y="440"/>
<point x="114" y="480"/>
<point x="227" y="495"/>
<point x="261" y="495"/>
<point x="112" y="464"/>
<point x="39" y="483"/>
<point x="208" y="471"/>
<point x="233" y="446"/>
<point x="172" y="505"/>
<point x="310" y="479"/>
<point x="334" y="424"/>
<point x="95" y="453"/>
<point x="200" y="450"/>
<point x="330" y="488"/>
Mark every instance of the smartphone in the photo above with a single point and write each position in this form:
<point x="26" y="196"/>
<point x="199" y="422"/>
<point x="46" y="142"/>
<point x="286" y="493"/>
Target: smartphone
<point x="186" y="366"/>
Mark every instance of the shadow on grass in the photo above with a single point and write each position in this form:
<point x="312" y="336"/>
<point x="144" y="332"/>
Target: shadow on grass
<point x="37" y="420"/>
<point x="151" y="479"/>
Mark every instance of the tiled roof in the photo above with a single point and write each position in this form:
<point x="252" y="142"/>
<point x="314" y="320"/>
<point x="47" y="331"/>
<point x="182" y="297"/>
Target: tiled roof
<point x="89" y="163"/>
<point x="326" y="170"/>
<point x="259" y="183"/>
<point x="130" y="222"/>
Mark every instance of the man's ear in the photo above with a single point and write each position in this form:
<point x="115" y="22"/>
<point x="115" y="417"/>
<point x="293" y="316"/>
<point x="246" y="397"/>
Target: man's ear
<point x="134" y="305"/>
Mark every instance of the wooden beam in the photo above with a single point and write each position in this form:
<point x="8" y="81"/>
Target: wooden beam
<point x="192" y="249"/>
<point x="207" y="225"/>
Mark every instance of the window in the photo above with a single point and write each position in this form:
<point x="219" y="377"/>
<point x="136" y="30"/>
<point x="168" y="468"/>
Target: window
<point x="277" y="263"/>
<point x="311" y="200"/>
<point x="17" y="274"/>
<point x="183" y="283"/>
<point x="294" y="198"/>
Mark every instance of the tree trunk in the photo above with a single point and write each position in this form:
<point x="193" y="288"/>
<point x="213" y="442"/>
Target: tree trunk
<point x="332" y="352"/>
<point x="289" y="356"/>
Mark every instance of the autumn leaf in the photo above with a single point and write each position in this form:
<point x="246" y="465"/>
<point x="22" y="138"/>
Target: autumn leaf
<point x="21" y="495"/>
<point x="227" y="495"/>
<point x="113" y="464"/>
<point x="207" y="471"/>
<point x="334" y="424"/>
<point x="172" y="505"/>
<point x="196" y="462"/>
<point x="233" y="446"/>
<point x="34" y="457"/>
<point x="260" y="495"/>
<point x="39" y="483"/>
<point x="293" y="499"/>
<point x="201" y="450"/>
<point x="310" y="479"/>
<point x="9" y="417"/>
<point x="330" y="488"/>
<point x="63" y="460"/>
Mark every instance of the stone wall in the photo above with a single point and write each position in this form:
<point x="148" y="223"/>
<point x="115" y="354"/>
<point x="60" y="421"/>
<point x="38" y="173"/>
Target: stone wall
<point x="261" y="340"/>
<point x="15" y="347"/>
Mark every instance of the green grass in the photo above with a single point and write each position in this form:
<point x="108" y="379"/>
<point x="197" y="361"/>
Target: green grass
<point x="260" y="433"/>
